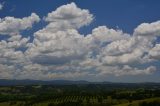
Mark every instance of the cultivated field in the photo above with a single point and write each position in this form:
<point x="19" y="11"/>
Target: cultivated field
<point x="81" y="95"/>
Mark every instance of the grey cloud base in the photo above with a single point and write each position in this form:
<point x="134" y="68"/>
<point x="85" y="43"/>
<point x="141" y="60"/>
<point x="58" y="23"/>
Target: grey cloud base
<point x="59" y="51"/>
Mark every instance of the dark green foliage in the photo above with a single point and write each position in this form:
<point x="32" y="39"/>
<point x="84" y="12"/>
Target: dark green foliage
<point x="78" y="95"/>
<point x="51" y="104"/>
<point x="154" y="103"/>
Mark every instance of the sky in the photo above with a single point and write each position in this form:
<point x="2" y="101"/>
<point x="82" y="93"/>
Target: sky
<point x="107" y="40"/>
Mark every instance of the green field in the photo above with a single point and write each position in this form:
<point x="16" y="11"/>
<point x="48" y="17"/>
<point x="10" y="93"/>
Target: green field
<point x="80" y="95"/>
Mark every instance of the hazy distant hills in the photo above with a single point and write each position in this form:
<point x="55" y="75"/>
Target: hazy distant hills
<point x="40" y="82"/>
<point x="36" y="82"/>
<point x="7" y="82"/>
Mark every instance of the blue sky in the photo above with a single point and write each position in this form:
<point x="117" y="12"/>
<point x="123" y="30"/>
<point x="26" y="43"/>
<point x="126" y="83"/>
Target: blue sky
<point x="125" y="15"/>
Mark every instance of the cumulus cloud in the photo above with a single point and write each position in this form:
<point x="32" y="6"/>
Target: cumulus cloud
<point x="59" y="42"/>
<point x="103" y="34"/>
<point x="148" y="29"/>
<point x="155" y="52"/>
<point x="125" y="70"/>
<point x="12" y="26"/>
<point x="58" y="50"/>
<point x="70" y="16"/>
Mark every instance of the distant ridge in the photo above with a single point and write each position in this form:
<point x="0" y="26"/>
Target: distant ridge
<point x="10" y="82"/>
<point x="4" y="82"/>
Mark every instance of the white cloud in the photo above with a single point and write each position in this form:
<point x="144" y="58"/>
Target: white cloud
<point x="69" y="16"/>
<point x="126" y="58"/>
<point x="103" y="34"/>
<point x="148" y="29"/>
<point x="6" y="71"/>
<point x="60" y="40"/>
<point x="12" y="26"/>
<point x="155" y="52"/>
<point x="125" y="70"/>
<point x="18" y="43"/>
<point x="58" y="50"/>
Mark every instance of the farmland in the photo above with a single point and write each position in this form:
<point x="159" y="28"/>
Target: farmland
<point x="81" y="95"/>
